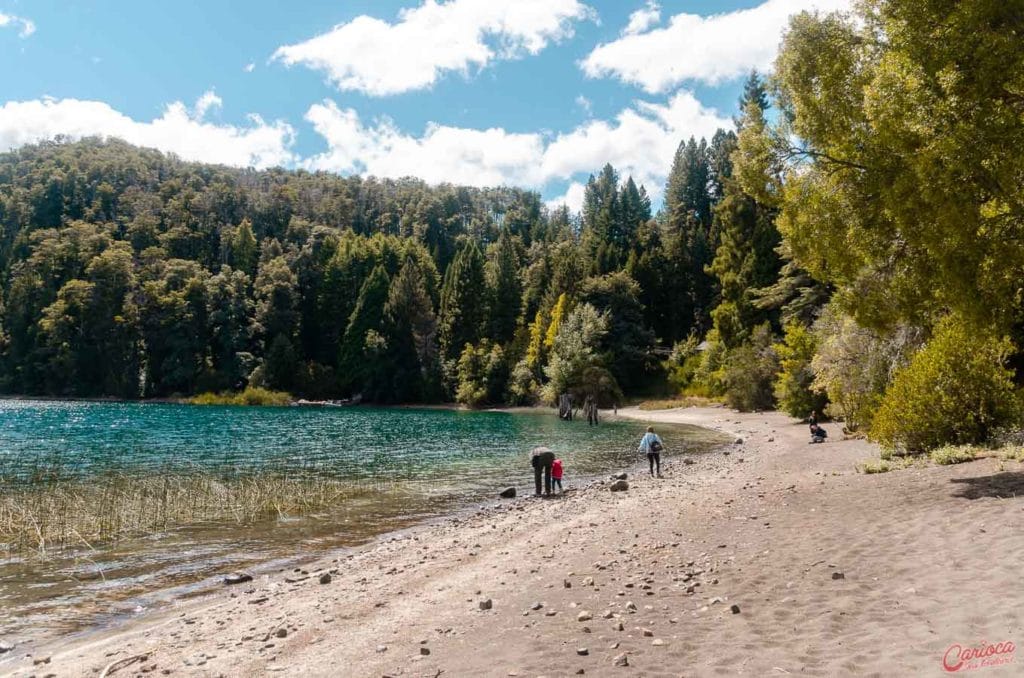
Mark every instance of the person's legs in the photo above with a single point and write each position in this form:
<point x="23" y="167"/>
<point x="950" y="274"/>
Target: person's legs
<point x="536" y="479"/>
<point x="650" y="460"/>
<point x="547" y="478"/>
<point x="657" y="461"/>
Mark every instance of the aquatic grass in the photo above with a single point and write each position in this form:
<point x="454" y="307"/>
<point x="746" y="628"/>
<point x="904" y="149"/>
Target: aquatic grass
<point x="49" y="512"/>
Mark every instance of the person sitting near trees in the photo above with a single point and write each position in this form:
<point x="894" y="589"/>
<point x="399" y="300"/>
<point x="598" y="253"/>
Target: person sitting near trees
<point x="818" y="434"/>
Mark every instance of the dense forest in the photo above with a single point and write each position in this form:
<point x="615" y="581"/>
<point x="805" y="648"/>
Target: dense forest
<point x="856" y="243"/>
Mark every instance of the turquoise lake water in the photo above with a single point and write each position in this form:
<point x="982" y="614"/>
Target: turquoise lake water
<point x="414" y="463"/>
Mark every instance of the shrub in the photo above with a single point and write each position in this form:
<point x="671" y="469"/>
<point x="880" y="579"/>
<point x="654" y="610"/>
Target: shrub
<point x="880" y="466"/>
<point x="793" y="387"/>
<point x="954" y="391"/>
<point x="482" y="374"/>
<point x="953" y="454"/>
<point x="750" y="373"/>
<point x="252" y="395"/>
<point x="853" y="364"/>
<point x="709" y="378"/>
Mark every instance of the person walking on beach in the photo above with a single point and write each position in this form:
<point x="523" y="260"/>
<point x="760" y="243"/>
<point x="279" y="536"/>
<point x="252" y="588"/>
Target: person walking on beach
<point x="556" y="476"/>
<point x="652" y="446"/>
<point x="542" y="459"/>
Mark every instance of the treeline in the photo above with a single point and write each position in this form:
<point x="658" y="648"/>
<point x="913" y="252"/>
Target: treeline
<point x="856" y="244"/>
<point x="129" y="273"/>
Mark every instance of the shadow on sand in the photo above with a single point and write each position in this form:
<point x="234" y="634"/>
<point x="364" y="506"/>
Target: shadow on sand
<point x="1000" y="485"/>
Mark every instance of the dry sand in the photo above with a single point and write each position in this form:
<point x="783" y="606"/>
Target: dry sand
<point x="834" y="573"/>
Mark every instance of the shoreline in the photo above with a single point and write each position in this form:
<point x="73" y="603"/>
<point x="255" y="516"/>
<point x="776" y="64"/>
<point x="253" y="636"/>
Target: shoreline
<point x="824" y="566"/>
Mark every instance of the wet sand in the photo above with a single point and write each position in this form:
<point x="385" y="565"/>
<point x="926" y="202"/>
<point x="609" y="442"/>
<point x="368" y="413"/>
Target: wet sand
<point x="831" y="573"/>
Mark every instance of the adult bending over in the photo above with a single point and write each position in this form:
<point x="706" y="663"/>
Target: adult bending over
<point x="541" y="458"/>
<point x="652" y="446"/>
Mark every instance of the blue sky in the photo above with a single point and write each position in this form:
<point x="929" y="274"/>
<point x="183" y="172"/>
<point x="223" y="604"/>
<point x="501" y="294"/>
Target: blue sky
<point x="537" y="93"/>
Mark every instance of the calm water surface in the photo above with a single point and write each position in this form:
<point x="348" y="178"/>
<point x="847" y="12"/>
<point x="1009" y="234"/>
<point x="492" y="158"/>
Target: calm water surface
<point x="414" y="463"/>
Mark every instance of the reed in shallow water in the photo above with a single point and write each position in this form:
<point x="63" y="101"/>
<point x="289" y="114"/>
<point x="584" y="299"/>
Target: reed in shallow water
<point x="47" y="512"/>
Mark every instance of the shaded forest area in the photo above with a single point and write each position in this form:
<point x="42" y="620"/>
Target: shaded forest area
<point x="855" y="244"/>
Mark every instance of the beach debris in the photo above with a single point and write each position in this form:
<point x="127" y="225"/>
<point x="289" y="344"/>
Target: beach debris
<point x="619" y="486"/>
<point x="121" y="663"/>
<point x="582" y="651"/>
<point x="584" y="616"/>
<point x="838" y="575"/>
<point x="486" y="604"/>
<point x="735" y="609"/>
<point x="325" y="578"/>
<point x="237" y="578"/>
<point x="620" y="660"/>
<point x="508" y="493"/>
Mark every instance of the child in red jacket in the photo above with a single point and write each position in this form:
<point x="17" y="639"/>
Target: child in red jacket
<point x="556" y="475"/>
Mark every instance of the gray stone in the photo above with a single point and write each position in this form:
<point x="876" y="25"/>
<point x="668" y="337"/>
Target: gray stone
<point x="281" y="633"/>
<point x="508" y="493"/>
<point x="621" y="660"/>
<point x="486" y="604"/>
<point x="6" y="647"/>
<point x="237" y="578"/>
<point x="735" y="609"/>
<point x="325" y="578"/>
<point x="424" y="651"/>
<point x="582" y="651"/>
<point x="620" y="486"/>
<point x="620" y="476"/>
<point x="584" y="616"/>
<point x="838" y="575"/>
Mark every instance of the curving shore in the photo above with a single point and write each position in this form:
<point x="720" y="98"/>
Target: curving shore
<point x="831" y="573"/>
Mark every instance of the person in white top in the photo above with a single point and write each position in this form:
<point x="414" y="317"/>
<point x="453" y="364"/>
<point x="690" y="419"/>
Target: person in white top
<point x="652" y="446"/>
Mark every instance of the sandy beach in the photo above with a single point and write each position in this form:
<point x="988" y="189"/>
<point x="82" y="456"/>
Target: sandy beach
<point x="772" y="558"/>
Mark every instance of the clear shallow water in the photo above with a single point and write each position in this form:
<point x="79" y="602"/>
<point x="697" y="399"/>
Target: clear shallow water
<point x="415" y="464"/>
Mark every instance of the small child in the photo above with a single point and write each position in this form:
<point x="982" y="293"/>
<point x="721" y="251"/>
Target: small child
<point x="818" y="434"/>
<point x="556" y="476"/>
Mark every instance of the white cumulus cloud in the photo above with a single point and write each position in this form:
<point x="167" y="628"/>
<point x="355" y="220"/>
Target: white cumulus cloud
<point x="178" y="130"/>
<point x="695" y="48"/>
<point x="380" y="58"/>
<point x="27" y="26"/>
<point x="643" y="18"/>
<point x="640" y="141"/>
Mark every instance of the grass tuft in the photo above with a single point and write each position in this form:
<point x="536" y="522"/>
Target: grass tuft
<point x="953" y="454"/>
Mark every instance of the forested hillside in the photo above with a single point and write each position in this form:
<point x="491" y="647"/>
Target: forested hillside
<point x="856" y="243"/>
<point x="133" y="274"/>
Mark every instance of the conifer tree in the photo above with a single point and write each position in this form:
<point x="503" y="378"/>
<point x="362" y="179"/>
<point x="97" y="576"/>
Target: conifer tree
<point x="364" y="334"/>
<point x="463" y="301"/>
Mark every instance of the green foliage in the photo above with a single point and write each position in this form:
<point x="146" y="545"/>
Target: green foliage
<point x="955" y="390"/>
<point x="363" y="338"/>
<point x="250" y="396"/>
<point x="463" y="303"/>
<point x="628" y="343"/>
<point x="854" y="364"/>
<point x="909" y="185"/>
<point x="794" y="385"/>
<point x="575" y="349"/>
<point x="482" y="375"/>
<point x="953" y="454"/>
<point x="750" y="373"/>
